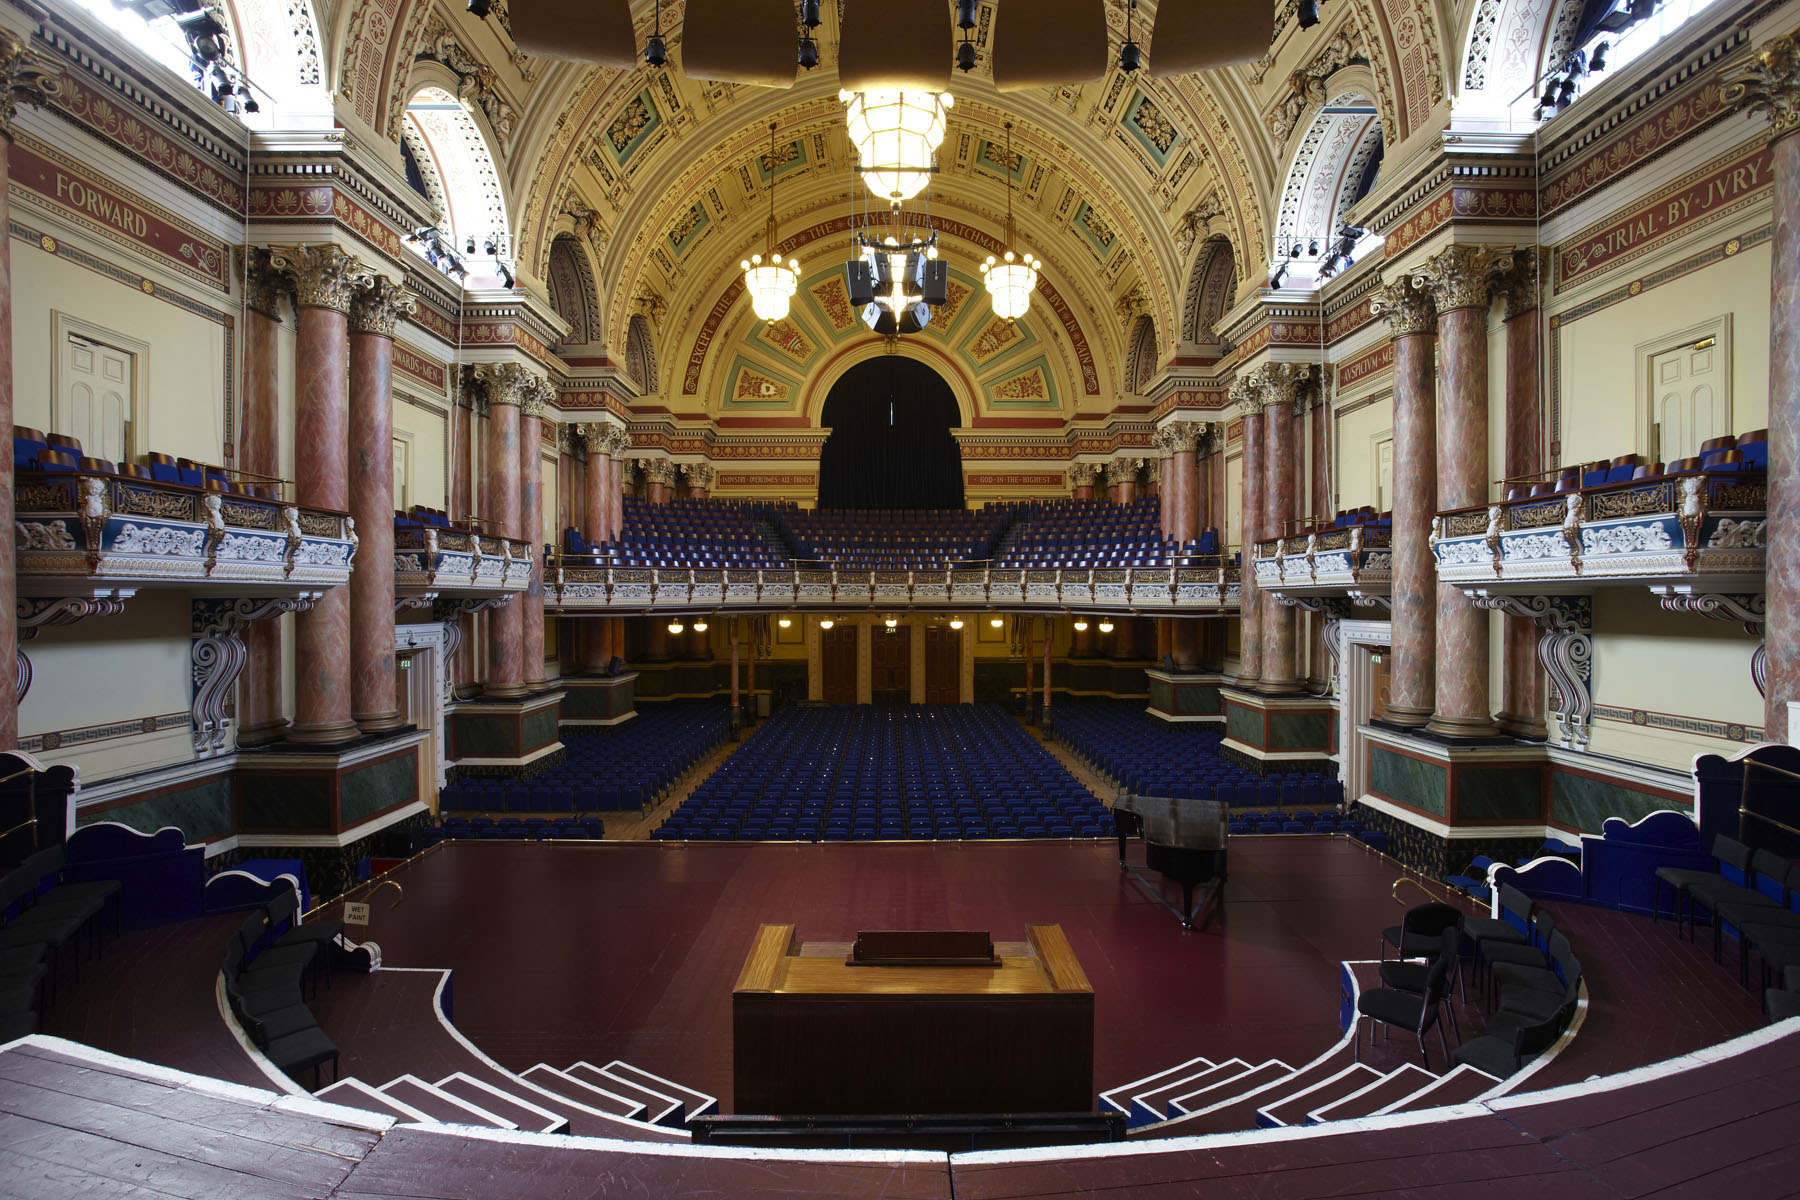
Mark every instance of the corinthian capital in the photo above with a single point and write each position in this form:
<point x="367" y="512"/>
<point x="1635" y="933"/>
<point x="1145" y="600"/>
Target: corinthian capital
<point x="1463" y="276"/>
<point x="264" y="286"/>
<point x="1178" y="437"/>
<point x="505" y="382"/>
<point x="25" y="77"/>
<point x="698" y="475"/>
<point x="1770" y="83"/>
<point x="618" y="443"/>
<point x="1153" y="471"/>
<point x="536" y="399"/>
<point x="1083" y="474"/>
<point x="659" y="470"/>
<point x="1406" y="305"/>
<point x="1123" y="470"/>
<point x="322" y="276"/>
<point x="1518" y="288"/>
<point x="378" y="305"/>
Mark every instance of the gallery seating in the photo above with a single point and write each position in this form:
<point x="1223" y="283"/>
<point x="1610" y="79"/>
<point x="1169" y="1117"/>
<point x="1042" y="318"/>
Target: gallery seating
<point x="892" y="539"/>
<point x="849" y="773"/>
<point x="702" y="534"/>
<point x="1047" y="534"/>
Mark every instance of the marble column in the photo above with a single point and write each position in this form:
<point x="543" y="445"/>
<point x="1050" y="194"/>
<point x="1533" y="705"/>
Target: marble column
<point x="1250" y="657"/>
<point x="1321" y="507"/>
<point x="1280" y="646"/>
<point x="24" y="78"/>
<point x="260" y="696"/>
<point x="1081" y="481"/>
<point x="1522" y="679"/>
<point x="659" y="480"/>
<point x="596" y="513"/>
<point x="732" y="627"/>
<point x="1771" y="84"/>
<point x="374" y="310"/>
<point x="534" y="412"/>
<point x="700" y="479"/>
<point x="1121" y="479"/>
<point x="1461" y="281"/>
<point x="1046" y="700"/>
<point x="1412" y="323"/>
<point x="506" y="385"/>
<point x="1181" y="508"/>
<point x="324" y="279"/>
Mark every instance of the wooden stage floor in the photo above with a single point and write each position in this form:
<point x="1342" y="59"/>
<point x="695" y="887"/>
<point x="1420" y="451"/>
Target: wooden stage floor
<point x="564" y="952"/>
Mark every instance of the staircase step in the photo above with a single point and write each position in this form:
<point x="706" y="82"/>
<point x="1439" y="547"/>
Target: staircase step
<point x="354" y="1093"/>
<point x="1226" y="1090"/>
<point x="1391" y="1088"/>
<point x="1459" y="1086"/>
<point x="439" y="1105"/>
<point x="659" y="1107"/>
<point x="695" y="1102"/>
<point x="1119" y="1098"/>
<point x="593" y="1098"/>
<point x="515" y="1108"/>
<point x="1294" y="1109"/>
<point x="1230" y="1113"/>
<point x="1152" y="1104"/>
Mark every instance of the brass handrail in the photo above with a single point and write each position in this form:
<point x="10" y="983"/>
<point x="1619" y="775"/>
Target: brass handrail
<point x="393" y="883"/>
<point x="1744" y="809"/>
<point x="1742" y="812"/>
<point x="27" y="823"/>
<point x="1394" y="891"/>
<point x="373" y="881"/>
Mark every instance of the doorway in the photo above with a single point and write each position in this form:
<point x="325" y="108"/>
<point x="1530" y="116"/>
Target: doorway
<point x="95" y="392"/>
<point x="943" y="665"/>
<point x="890" y="664"/>
<point x="891" y="444"/>
<point x="837" y="653"/>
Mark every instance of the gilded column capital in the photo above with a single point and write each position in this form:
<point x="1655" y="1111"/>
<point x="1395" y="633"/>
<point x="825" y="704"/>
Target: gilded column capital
<point x="537" y="397"/>
<point x="1463" y="276"/>
<point x="1083" y="474"/>
<point x="1279" y="383"/>
<point x="322" y="276"/>
<point x="1245" y="394"/>
<point x="504" y="382"/>
<point x="264" y="285"/>
<point x="593" y="436"/>
<point x="25" y="77"/>
<point x="659" y="470"/>
<point x="1179" y="437"/>
<point x="377" y="306"/>
<point x="1123" y="470"/>
<point x="698" y="475"/>
<point x="1518" y="288"/>
<point x="1406" y="305"/>
<point x="618" y="444"/>
<point x="1770" y="82"/>
<point x="1153" y="470"/>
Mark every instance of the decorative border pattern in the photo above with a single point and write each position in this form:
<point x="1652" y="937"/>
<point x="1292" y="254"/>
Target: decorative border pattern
<point x="65" y="739"/>
<point x="1644" y="719"/>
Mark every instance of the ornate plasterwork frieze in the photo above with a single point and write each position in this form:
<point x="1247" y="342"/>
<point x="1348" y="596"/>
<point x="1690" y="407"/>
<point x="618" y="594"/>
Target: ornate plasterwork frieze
<point x="321" y="276"/>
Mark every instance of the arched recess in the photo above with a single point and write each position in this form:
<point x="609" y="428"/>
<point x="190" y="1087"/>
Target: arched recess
<point x="572" y="291"/>
<point x="1509" y="46"/>
<point x="1140" y="358"/>
<point x="1333" y="167"/>
<point x="891" y="443"/>
<point x="1209" y="291"/>
<point x="821" y="381"/>
<point x="640" y="355"/>
<point x="285" y="59"/>
<point x="450" y="149"/>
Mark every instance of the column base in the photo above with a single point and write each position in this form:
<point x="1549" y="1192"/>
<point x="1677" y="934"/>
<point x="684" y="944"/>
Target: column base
<point x="1463" y="728"/>
<point x="1186" y="698"/>
<point x="517" y="737"/>
<point x="1401" y="717"/>
<point x="599" y="700"/>
<point x="323" y="735"/>
<point x="1443" y="802"/>
<point x="385" y="722"/>
<point x="1275" y="734"/>
<point x="261" y="734"/>
<point x="1529" y="728"/>
<point x="508" y="691"/>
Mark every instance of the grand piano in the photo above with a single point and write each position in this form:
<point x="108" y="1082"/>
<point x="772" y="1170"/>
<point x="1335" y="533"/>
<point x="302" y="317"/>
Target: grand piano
<point x="1184" y="841"/>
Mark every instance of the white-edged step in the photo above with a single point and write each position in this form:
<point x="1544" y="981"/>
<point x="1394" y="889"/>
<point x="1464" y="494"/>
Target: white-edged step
<point x="515" y="1108"/>
<point x="439" y="1105"/>
<point x="665" y="1101"/>
<point x="1120" y="1099"/>
<point x="354" y="1093"/>
<point x="1460" y="1086"/>
<point x="594" y="1099"/>
<point x="1293" y="1108"/>
<point x="1391" y="1088"/>
<point x="1230" y="1091"/>
<point x="1149" y="1107"/>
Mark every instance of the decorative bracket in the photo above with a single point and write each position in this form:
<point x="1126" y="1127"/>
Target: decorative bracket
<point x="34" y="614"/>
<point x="1565" y="651"/>
<point x="451" y="612"/>
<point x="218" y="656"/>
<point x="1750" y="608"/>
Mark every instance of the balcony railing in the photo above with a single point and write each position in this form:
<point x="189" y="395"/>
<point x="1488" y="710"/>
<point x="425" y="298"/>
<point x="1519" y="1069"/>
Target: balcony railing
<point x="576" y="584"/>
<point x="1354" y="562"/>
<point x="459" y="563"/>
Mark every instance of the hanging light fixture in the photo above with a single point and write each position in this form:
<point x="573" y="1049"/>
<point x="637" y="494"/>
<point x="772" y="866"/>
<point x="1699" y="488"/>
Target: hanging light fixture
<point x="896" y="135"/>
<point x="785" y="622"/>
<point x="996" y="622"/>
<point x="1010" y="280"/>
<point x="700" y="625"/>
<point x="1106" y="625"/>
<point x="891" y="622"/>
<point x="825" y="623"/>
<point x="676" y="627"/>
<point x="771" y="287"/>
<point x="956" y="622"/>
<point x="1080" y="625"/>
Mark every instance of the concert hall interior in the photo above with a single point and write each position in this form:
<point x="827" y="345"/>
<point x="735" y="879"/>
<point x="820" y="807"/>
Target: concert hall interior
<point x="970" y="597"/>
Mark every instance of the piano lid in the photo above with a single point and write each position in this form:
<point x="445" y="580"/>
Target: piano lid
<point x="1171" y="821"/>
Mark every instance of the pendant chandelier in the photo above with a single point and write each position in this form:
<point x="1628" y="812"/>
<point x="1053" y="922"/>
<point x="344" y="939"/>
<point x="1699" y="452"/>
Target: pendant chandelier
<point x="896" y="135"/>
<point x="771" y="287"/>
<point x="1011" y="279"/>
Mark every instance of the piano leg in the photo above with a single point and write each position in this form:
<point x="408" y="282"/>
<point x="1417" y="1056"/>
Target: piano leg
<point x="1187" y="906"/>
<point x="1123" y="865"/>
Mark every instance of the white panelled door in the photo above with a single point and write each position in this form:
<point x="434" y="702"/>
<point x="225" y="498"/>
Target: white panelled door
<point x="97" y="404"/>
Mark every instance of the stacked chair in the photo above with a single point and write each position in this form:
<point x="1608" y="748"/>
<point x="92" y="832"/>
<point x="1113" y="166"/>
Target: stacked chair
<point x="268" y="966"/>
<point x="902" y="772"/>
<point x="45" y="919"/>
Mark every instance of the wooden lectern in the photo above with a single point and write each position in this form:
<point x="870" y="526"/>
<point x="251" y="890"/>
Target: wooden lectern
<point x="817" y="1031"/>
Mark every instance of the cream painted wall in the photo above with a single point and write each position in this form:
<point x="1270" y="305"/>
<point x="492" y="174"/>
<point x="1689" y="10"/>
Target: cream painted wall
<point x="1233" y="528"/>
<point x="425" y="470"/>
<point x="1356" y="433"/>
<point x="1597" y="371"/>
<point x="113" y="670"/>
<point x="1673" y="664"/>
<point x="181" y="389"/>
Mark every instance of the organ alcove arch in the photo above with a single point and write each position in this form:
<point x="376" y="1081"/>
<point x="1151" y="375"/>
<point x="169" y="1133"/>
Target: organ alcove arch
<point x="892" y="443"/>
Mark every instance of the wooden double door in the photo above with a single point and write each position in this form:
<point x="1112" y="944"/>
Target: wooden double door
<point x="890" y="664"/>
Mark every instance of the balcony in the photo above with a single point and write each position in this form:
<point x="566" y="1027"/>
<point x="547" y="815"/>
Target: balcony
<point x="576" y="584"/>
<point x="100" y="535"/>
<point x="1335" y="563"/>
<point x="458" y="564"/>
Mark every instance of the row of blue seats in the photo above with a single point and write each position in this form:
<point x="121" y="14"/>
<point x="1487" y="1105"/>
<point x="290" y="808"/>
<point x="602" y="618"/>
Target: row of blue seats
<point x="529" y="829"/>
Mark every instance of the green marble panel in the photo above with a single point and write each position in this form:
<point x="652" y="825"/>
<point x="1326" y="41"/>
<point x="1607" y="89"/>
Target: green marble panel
<point x="596" y="702"/>
<point x="1161" y="696"/>
<point x="1407" y="780"/>
<point x="540" y="728"/>
<point x="1509" y="794"/>
<point x="378" y="787"/>
<point x="1243" y="724"/>
<point x="202" y="812"/>
<point x="487" y="735"/>
<point x="1584" y="804"/>
<point x="293" y="802"/>
<point x="1197" y="700"/>
<point x="1301" y="730"/>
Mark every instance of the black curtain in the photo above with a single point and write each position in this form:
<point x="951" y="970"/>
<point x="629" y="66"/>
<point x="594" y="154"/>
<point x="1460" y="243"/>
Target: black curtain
<point x="890" y="445"/>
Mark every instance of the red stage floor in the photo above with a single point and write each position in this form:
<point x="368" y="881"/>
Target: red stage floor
<point x="630" y="951"/>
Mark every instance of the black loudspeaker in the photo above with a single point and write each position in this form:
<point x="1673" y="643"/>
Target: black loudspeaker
<point x="934" y="286"/>
<point x="860" y="280"/>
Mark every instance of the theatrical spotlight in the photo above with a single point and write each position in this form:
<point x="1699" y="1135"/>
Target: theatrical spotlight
<point x="809" y="13"/>
<point x="481" y="8"/>
<point x="655" y="53"/>
<point x="1130" y="56"/>
<point x="1307" y="13"/>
